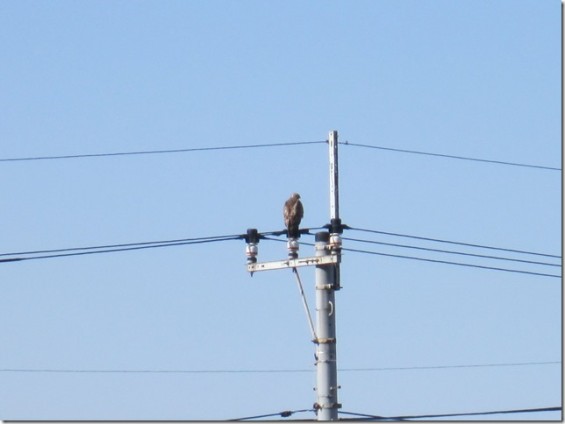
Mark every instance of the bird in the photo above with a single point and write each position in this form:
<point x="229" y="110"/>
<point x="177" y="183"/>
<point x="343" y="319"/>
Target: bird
<point x="293" y="212"/>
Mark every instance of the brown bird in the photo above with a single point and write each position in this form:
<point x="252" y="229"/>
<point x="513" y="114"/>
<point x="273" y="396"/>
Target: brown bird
<point x="293" y="212"/>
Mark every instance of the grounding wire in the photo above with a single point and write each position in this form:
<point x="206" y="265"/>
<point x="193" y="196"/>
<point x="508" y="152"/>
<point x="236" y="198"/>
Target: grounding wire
<point x="153" y="152"/>
<point x="498" y="162"/>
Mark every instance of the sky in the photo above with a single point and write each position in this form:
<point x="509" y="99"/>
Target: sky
<point x="91" y="336"/>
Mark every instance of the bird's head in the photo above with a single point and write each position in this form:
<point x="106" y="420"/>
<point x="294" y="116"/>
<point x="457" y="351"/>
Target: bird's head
<point x="295" y="196"/>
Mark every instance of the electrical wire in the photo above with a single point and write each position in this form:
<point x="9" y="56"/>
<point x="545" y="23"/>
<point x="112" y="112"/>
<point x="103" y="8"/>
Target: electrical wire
<point x="150" y="371"/>
<point x="303" y="231"/>
<point x="251" y="146"/>
<point x="482" y="246"/>
<point x="122" y="247"/>
<point x="89" y="250"/>
<point x="109" y="246"/>
<point x="283" y="414"/>
<point x="438" y="367"/>
<point x="267" y="371"/>
<point x="449" y="252"/>
<point x="94" y="250"/>
<point x="498" y="162"/>
<point x="541" y="274"/>
<point x="153" y="152"/>
<point x="431" y="260"/>
<point x="369" y="417"/>
<point x="388" y="233"/>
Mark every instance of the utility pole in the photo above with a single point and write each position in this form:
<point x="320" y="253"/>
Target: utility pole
<point x="326" y="260"/>
<point x="326" y="361"/>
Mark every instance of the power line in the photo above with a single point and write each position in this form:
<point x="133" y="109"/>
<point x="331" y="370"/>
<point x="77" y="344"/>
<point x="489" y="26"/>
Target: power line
<point x="122" y="247"/>
<point x="89" y="251"/>
<point x="265" y="371"/>
<point x="450" y="252"/>
<point x="370" y="417"/>
<point x="113" y="248"/>
<point x="153" y="152"/>
<point x="284" y="232"/>
<point x="482" y="246"/>
<point x="452" y="263"/>
<point x="431" y="260"/>
<point x="151" y="371"/>
<point x="438" y="367"/>
<point x="263" y="145"/>
<point x="498" y="162"/>
<point x="283" y="414"/>
<point x="108" y="246"/>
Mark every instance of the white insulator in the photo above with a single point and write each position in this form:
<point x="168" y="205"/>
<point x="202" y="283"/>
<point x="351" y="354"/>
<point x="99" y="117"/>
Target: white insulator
<point x="251" y="251"/>
<point x="292" y="246"/>
<point x="335" y="242"/>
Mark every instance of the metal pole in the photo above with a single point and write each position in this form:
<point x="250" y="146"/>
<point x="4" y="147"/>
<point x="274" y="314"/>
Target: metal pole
<point x="335" y="222"/>
<point x="326" y="364"/>
<point x="334" y="178"/>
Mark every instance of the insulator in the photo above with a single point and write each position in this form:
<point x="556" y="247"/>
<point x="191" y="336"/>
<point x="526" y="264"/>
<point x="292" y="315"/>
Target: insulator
<point x="293" y="247"/>
<point x="251" y="251"/>
<point x="335" y="242"/>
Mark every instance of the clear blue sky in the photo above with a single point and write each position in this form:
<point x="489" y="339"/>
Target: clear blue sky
<point x="478" y="79"/>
